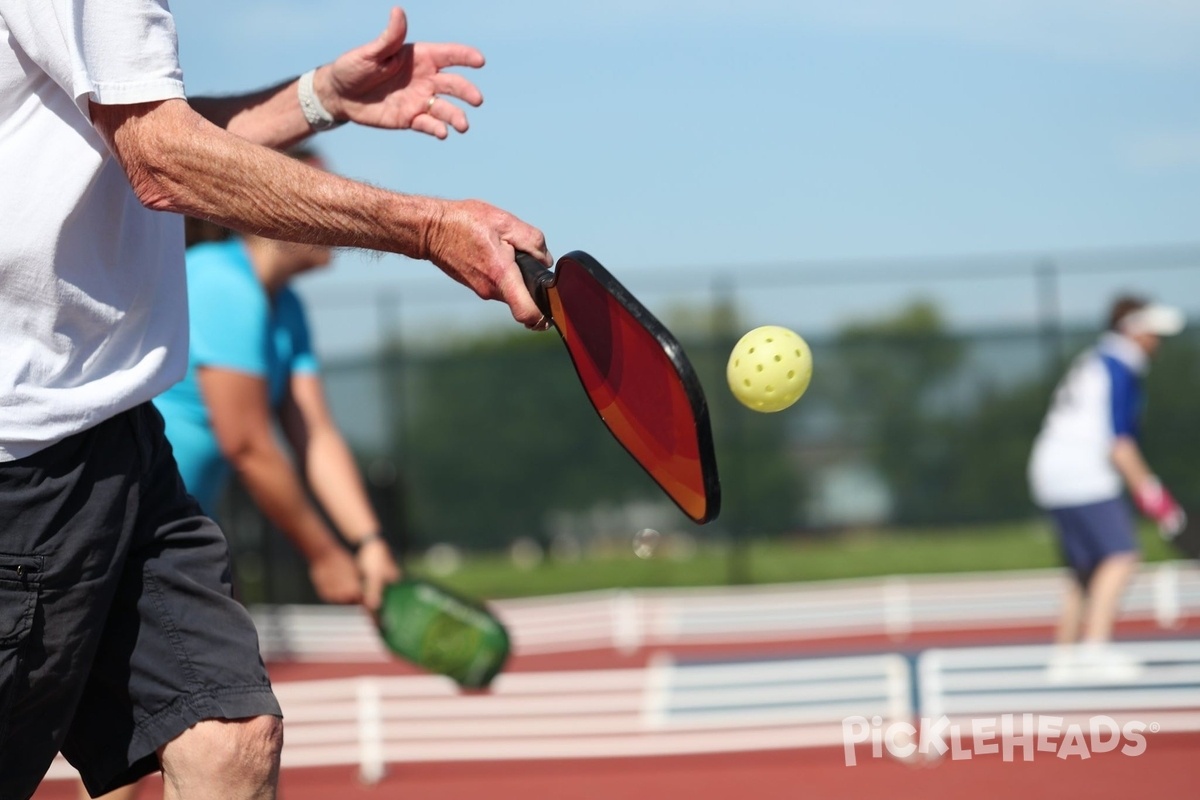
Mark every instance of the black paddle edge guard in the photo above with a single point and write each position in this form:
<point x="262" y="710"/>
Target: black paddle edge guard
<point x="539" y="280"/>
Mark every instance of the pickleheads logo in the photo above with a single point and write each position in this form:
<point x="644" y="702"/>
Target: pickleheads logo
<point x="1011" y="736"/>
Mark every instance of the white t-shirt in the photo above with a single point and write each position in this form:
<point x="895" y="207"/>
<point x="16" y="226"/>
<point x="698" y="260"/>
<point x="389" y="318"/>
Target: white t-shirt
<point x="93" y="305"/>
<point x="1099" y="399"/>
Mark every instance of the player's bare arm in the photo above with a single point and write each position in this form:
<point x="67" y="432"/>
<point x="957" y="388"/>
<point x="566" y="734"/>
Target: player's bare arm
<point x="178" y="161"/>
<point x="1150" y="496"/>
<point x="1127" y="458"/>
<point x="386" y="83"/>
<point x="241" y="420"/>
<point x="325" y="459"/>
<point x="332" y="474"/>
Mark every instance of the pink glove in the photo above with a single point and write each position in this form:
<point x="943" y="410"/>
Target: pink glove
<point x="1156" y="502"/>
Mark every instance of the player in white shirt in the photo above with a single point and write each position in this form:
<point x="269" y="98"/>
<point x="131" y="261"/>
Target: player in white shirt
<point x="1087" y="455"/>
<point x="120" y="642"/>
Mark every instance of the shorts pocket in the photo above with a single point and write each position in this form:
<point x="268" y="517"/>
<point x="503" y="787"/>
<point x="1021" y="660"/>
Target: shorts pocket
<point x="20" y="578"/>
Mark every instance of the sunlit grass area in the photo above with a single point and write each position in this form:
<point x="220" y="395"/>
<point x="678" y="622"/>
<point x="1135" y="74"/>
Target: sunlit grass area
<point x="849" y="555"/>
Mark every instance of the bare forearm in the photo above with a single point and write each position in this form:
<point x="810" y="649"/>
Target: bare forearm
<point x="1127" y="458"/>
<point x="270" y="117"/>
<point x="338" y="486"/>
<point x="273" y="484"/>
<point x="192" y="167"/>
<point x="177" y="161"/>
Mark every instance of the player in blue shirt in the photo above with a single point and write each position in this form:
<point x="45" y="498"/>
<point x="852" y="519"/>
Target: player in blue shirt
<point x="253" y="333"/>
<point x="251" y="365"/>
<point x="1087" y="454"/>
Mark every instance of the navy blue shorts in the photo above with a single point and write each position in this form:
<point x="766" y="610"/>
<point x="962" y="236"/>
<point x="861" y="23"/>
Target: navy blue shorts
<point x="118" y="627"/>
<point x="1089" y="534"/>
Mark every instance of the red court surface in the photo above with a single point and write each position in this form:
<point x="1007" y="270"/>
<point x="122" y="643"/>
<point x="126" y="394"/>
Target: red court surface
<point x="1168" y="767"/>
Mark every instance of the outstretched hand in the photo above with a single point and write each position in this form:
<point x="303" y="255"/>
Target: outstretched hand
<point x="389" y="83"/>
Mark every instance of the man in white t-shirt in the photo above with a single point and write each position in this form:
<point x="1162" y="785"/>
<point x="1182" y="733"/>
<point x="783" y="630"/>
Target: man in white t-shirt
<point x="120" y="642"/>
<point x="1087" y="454"/>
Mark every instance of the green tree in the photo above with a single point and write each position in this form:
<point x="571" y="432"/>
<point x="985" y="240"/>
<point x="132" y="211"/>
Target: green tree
<point x="885" y="377"/>
<point x="498" y="433"/>
<point x="1170" y="430"/>
<point x="989" y="451"/>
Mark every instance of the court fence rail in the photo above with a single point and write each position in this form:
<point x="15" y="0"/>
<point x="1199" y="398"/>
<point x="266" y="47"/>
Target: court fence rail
<point x="676" y="706"/>
<point x="1164" y="593"/>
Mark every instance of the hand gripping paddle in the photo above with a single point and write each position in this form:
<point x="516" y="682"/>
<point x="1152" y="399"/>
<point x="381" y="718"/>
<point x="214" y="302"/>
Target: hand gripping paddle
<point x="443" y="632"/>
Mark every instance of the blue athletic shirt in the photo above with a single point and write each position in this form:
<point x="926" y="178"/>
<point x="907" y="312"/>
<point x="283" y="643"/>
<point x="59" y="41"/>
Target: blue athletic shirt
<point x="234" y="325"/>
<point x="1099" y="399"/>
<point x="1125" y="389"/>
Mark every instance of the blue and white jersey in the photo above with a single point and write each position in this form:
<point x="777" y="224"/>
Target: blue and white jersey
<point x="1099" y="399"/>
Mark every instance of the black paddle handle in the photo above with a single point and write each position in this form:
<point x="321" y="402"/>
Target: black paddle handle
<point x="538" y="281"/>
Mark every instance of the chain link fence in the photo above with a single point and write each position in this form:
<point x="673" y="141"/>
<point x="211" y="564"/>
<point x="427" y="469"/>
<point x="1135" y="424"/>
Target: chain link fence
<point x="909" y="421"/>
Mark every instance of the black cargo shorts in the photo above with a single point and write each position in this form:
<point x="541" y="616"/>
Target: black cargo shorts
<point x="118" y="627"/>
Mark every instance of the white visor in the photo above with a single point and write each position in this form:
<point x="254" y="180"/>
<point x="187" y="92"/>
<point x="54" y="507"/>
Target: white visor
<point x="1154" y="319"/>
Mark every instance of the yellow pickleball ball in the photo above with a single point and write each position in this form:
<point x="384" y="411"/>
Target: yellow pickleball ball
<point x="769" y="368"/>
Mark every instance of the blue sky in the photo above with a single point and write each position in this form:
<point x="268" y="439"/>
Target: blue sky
<point x="679" y="141"/>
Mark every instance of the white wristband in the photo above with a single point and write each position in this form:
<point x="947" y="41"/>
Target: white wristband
<point x="316" y="114"/>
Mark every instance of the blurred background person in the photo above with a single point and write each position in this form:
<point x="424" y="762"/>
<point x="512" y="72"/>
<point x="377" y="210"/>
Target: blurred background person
<point x="1086" y="454"/>
<point x="252" y="370"/>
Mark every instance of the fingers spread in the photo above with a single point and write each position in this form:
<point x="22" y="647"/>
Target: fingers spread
<point x="447" y="112"/>
<point x="393" y="36"/>
<point x="427" y="123"/>
<point x="454" y="85"/>
<point x="448" y="54"/>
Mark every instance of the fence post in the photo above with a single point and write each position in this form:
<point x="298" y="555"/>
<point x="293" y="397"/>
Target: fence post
<point x="928" y="704"/>
<point x="1166" y="595"/>
<point x="657" y="690"/>
<point x="897" y="608"/>
<point x="1050" y="316"/>
<point x="735" y="495"/>
<point x="370" y="731"/>
<point x="627" y="626"/>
